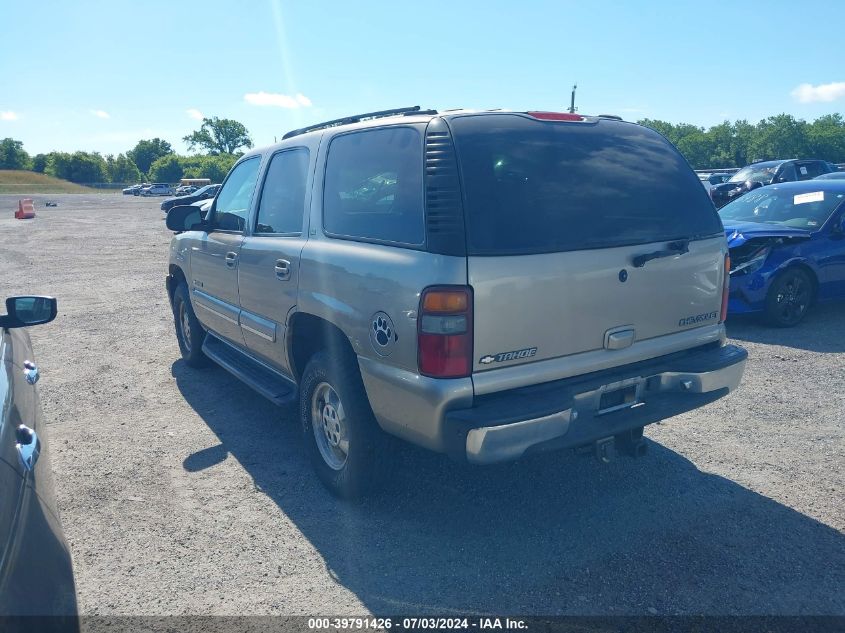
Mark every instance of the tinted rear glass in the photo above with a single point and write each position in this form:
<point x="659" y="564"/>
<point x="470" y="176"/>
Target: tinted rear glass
<point x="536" y="186"/>
<point x="373" y="186"/>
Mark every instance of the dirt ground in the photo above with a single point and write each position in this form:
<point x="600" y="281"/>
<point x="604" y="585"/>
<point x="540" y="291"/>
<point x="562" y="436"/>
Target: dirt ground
<point x="183" y="492"/>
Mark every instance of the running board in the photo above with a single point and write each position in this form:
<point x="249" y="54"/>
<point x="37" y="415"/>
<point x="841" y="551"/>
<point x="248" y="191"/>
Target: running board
<point x="268" y="382"/>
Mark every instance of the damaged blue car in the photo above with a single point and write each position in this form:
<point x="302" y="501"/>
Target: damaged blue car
<point x="787" y="249"/>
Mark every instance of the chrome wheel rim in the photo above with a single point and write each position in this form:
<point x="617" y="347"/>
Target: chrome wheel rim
<point x="185" y="326"/>
<point x="328" y="421"/>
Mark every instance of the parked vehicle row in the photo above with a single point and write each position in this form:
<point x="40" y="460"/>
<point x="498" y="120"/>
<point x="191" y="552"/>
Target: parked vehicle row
<point x="766" y="173"/>
<point x="149" y="189"/>
<point x="205" y="193"/>
<point x="349" y="269"/>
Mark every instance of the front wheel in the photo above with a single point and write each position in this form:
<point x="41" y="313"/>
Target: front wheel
<point x="345" y="443"/>
<point x="789" y="298"/>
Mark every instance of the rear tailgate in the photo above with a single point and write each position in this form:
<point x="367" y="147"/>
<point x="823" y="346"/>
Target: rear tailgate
<point x="566" y="303"/>
<point x="557" y="214"/>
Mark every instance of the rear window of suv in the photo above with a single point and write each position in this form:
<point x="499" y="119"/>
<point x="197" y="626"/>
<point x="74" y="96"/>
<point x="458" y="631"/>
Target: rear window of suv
<point x="536" y="187"/>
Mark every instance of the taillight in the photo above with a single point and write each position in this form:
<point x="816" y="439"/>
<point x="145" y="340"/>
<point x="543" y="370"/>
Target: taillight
<point x="556" y="116"/>
<point x="444" y="332"/>
<point x="726" y="289"/>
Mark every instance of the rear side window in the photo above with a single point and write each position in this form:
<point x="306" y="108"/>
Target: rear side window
<point x="811" y="170"/>
<point x="282" y="205"/>
<point x="537" y="187"/>
<point x="373" y="186"/>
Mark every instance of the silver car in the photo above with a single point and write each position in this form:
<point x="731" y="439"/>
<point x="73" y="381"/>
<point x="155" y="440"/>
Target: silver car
<point x="157" y="189"/>
<point x="483" y="284"/>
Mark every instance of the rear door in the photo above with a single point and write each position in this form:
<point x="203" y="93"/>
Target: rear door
<point x="268" y="274"/>
<point x="214" y="254"/>
<point x="557" y="215"/>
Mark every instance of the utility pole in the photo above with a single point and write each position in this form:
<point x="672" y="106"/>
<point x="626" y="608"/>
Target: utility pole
<point x="572" y="104"/>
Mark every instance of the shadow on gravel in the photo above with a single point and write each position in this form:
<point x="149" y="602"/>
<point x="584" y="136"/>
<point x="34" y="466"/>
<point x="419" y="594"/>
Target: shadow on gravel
<point x="555" y="534"/>
<point x="820" y="331"/>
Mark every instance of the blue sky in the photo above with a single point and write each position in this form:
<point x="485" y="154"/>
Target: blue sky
<point x="99" y="76"/>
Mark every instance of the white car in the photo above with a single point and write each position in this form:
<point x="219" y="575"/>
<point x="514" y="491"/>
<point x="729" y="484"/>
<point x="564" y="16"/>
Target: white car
<point x="157" y="189"/>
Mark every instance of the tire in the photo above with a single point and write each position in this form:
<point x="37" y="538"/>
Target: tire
<point x="344" y="442"/>
<point x="189" y="333"/>
<point x="789" y="298"/>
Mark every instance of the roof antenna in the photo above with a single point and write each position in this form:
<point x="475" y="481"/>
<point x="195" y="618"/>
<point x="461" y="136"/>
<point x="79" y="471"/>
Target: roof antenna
<point x="572" y="107"/>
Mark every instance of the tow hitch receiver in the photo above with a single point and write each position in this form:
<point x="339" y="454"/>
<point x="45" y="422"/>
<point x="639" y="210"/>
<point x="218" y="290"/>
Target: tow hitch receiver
<point x="606" y="450"/>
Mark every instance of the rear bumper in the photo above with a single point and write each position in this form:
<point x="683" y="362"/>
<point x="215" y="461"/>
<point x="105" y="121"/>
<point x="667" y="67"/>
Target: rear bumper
<point x="566" y="413"/>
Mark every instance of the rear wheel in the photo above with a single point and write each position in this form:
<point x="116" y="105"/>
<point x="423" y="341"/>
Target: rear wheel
<point x="189" y="333"/>
<point x="789" y="298"/>
<point x="345" y="443"/>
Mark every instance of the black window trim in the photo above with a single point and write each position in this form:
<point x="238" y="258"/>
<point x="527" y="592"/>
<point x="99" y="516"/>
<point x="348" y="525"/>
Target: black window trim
<point x="369" y="240"/>
<point x="212" y="212"/>
<point x="254" y="225"/>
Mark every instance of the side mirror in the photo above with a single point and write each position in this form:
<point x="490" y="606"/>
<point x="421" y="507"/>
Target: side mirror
<point x="753" y="184"/>
<point x="26" y="311"/>
<point x="185" y="218"/>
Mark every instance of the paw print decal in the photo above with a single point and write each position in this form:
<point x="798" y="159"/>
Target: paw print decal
<point x="382" y="334"/>
<point x="382" y="331"/>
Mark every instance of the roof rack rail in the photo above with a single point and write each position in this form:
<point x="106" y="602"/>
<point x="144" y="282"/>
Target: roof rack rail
<point x="614" y="117"/>
<point x="355" y="118"/>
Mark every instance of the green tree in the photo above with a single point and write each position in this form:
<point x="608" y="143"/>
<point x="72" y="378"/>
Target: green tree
<point x="145" y="153"/>
<point x="58" y="165"/>
<point x="826" y="138"/>
<point x="780" y="136"/>
<point x="81" y="167"/>
<point x="219" y="136"/>
<point x="122" y="169"/>
<point x="39" y="163"/>
<point x="214" y="168"/>
<point x="167" y="169"/>
<point x="697" y="148"/>
<point x="87" y="167"/>
<point x="13" y="155"/>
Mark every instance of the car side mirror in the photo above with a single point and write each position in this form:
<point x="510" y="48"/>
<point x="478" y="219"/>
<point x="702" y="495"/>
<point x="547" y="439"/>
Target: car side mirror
<point x="28" y="310"/>
<point x="185" y="218"/>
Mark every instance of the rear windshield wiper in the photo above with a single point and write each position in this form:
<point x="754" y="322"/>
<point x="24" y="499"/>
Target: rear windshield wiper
<point x="673" y="248"/>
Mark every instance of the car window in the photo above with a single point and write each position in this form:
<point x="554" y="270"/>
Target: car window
<point x="808" y="209"/>
<point x="810" y="170"/>
<point x="755" y="173"/>
<point x="373" y="186"/>
<point x="787" y="174"/>
<point x="282" y="205"/>
<point x="532" y="186"/>
<point x="233" y="200"/>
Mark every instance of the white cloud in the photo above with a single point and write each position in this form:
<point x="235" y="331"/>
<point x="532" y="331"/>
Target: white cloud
<point x="100" y="114"/>
<point x="195" y="114"/>
<point x="808" y="93"/>
<point x="8" y="115"/>
<point x="278" y="100"/>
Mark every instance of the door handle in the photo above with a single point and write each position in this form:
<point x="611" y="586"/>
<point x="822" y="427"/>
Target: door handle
<point x="30" y="370"/>
<point x="231" y="259"/>
<point x="282" y="269"/>
<point x="28" y="445"/>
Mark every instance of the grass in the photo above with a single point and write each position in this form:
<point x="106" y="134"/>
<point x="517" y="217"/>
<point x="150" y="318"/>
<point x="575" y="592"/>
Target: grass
<point x="21" y="182"/>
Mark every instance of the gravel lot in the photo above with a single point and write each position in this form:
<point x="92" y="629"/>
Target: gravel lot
<point x="183" y="492"/>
